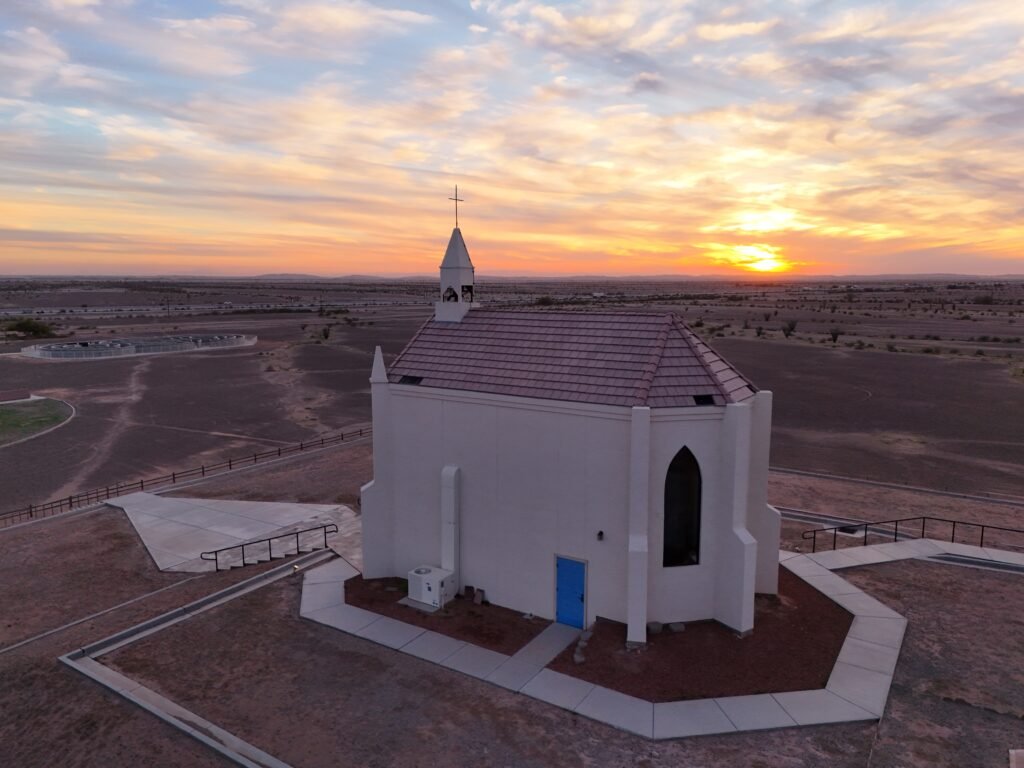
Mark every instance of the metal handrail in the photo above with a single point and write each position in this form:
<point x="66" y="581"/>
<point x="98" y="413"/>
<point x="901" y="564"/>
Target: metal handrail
<point x="269" y="541"/>
<point x="97" y="495"/>
<point x="868" y="525"/>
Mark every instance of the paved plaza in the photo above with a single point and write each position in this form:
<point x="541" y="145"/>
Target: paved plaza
<point x="176" y="531"/>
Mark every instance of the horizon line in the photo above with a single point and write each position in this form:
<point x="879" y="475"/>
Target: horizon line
<point x="746" y="277"/>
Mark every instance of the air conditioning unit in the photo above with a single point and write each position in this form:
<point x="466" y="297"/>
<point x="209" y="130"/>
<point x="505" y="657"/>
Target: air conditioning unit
<point x="431" y="585"/>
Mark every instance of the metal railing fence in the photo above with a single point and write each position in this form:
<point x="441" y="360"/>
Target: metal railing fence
<point x="913" y="528"/>
<point x="326" y="528"/>
<point x="97" y="495"/>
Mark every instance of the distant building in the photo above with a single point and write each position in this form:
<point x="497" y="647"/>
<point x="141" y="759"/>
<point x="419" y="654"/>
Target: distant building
<point x="573" y="464"/>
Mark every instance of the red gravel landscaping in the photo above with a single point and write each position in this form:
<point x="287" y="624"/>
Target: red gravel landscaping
<point x="489" y="626"/>
<point x="796" y="639"/>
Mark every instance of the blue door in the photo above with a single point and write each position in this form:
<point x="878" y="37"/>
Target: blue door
<point x="571" y="575"/>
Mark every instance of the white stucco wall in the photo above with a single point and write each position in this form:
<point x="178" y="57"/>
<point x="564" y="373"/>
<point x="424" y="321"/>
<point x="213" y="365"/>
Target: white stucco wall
<point x="764" y="521"/>
<point x="540" y="479"/>
<point x="536" y="481"/>
<point x="698" y="429"/>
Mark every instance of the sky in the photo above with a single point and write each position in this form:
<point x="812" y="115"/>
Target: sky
<point x="616" y="137"/>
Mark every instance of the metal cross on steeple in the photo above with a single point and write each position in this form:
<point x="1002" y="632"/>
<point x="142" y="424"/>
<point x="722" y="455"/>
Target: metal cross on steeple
<point x="457" y="200"/>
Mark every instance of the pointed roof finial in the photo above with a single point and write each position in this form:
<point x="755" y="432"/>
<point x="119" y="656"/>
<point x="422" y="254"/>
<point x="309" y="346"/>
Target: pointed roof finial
<point x="379" y="374"/>
<point x="457" y="200"/>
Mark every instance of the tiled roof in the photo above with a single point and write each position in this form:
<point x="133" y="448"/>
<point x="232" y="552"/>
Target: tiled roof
<point x="608" y="358"/>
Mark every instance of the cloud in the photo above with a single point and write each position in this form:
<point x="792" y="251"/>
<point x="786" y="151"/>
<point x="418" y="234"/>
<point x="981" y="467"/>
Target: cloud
<point x="621" y="136"/>
<point x="342" y="22"/>
<point x="649" y="81"/>
<point x="595" y="27"/>
<point x="34" y="60"/>
<point x="30" y="58"/>
<point x="850" y="23"/>
<point x="719" y="32"/>
<point x="80" y="10"/>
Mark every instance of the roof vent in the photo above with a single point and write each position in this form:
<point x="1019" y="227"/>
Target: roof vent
<point x="703" y="399"/>
<point x="410" y="380"/>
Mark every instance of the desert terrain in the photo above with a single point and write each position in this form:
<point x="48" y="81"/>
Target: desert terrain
<point x="913" y="383"/>
<point x="921" y="387"/>
<point x="313" y="696"/>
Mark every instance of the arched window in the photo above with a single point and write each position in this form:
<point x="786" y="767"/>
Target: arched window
<point x="682" y="511"/>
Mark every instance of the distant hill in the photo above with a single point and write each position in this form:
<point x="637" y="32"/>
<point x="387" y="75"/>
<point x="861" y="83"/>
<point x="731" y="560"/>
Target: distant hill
<point x="504" y="278"/>
<point x="286" y="276"/>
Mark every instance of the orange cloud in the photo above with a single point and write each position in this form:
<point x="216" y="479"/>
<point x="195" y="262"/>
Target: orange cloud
<point x="599" y="137"/>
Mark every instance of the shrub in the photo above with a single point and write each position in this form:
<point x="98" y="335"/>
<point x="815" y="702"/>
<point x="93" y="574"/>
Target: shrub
<point x="35" y="329"/>
<point x="32" y="328"/>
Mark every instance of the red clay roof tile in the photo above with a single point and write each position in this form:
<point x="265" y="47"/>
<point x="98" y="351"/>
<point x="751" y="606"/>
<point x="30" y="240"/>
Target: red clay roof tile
<point x="608" y="357"/>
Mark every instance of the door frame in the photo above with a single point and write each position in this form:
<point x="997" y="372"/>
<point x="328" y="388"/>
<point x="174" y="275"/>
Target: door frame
<point x="586" y="586"/>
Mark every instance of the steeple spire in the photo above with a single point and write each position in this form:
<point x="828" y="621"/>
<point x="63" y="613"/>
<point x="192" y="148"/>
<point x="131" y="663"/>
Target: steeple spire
<point x="457" y="277"/>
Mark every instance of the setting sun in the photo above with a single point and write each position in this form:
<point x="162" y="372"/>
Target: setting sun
<point x="757" y="257"/>
<point x="762" y="258"/>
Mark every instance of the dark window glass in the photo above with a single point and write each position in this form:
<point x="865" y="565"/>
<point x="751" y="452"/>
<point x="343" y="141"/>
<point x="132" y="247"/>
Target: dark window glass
<point x="682" y="511"/>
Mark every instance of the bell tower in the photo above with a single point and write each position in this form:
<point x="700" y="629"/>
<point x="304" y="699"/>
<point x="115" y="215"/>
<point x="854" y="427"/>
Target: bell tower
<point x="457" y="289"/>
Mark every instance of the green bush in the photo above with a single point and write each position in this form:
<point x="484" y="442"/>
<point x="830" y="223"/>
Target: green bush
<point x="35" y="329"/>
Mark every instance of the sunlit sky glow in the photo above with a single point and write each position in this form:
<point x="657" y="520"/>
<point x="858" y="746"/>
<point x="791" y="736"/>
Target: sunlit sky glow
<point x="246" y="137"/>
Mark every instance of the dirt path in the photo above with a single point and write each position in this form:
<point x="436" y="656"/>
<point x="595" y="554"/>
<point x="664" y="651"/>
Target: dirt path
<point x="300" y="398"/>
<point x="101" y="450"/>
<point x="125" y="423"/>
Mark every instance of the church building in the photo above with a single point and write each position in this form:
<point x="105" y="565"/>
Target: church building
<point x="571" y="463"/>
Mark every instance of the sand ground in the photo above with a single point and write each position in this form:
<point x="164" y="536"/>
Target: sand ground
<point x="318" y="697"/>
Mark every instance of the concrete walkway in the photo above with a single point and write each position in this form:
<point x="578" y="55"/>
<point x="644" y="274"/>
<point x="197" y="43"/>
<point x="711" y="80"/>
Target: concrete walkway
<point x="857" y="689"/>
<point x="323" y="600"/>
<point x="175" y="531"/>
<point x="932" y="549"/>
<point x="854" y="692"/>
